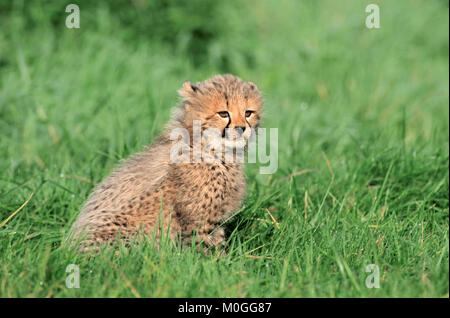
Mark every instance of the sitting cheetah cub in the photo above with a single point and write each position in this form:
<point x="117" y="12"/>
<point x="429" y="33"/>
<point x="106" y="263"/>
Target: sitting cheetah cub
<point x="150" y="190"/>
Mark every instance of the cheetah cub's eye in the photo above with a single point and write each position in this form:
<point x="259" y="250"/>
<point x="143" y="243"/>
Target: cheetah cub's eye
<point x="248" y="113"/>
<point x="223" y="114"/>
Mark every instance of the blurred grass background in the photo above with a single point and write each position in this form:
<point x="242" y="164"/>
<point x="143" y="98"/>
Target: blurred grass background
<point x="365" y="109"/>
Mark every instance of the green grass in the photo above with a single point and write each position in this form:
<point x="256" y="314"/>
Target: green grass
<point x="365" y="110"/>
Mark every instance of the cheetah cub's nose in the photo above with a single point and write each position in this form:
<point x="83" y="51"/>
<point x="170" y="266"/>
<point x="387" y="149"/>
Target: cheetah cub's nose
<point x="239" y="130"/>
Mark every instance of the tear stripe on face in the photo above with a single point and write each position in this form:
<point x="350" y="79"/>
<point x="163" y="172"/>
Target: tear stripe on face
<point x="228" y="125"/>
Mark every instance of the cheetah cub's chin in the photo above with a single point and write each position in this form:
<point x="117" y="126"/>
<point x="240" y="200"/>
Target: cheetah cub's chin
<point x="151" y="195"/>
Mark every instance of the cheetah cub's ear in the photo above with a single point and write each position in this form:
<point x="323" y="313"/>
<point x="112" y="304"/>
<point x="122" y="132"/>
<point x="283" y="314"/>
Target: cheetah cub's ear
<point x="188" y="90"/>
<point x="252" y="85"/>
<point x="189" y="87"/>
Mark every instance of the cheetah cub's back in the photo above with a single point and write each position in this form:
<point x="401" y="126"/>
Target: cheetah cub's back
<point x="192" y="196"/>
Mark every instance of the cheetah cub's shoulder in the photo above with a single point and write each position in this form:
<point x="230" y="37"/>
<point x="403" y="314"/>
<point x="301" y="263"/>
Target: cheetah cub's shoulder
<point x="189" y="196"/>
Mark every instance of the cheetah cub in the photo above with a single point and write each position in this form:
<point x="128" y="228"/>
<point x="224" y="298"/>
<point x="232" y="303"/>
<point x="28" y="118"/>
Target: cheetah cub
<point x="150" y="191"/>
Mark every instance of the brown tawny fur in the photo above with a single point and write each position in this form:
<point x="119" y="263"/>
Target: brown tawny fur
<point x="148" y="190"/>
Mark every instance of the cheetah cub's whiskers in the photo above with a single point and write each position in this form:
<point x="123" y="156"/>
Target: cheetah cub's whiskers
<point x="195" y="197"/>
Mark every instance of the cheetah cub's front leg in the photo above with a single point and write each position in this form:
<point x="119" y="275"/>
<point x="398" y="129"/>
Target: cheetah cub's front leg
<point x="208" y="194"/>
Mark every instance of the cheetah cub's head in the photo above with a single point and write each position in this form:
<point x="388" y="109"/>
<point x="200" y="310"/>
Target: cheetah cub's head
<point x="226" y="103"/>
